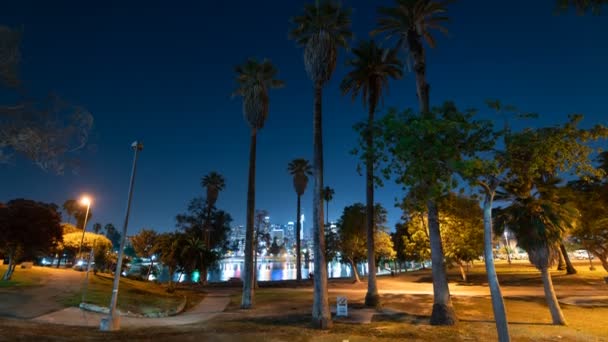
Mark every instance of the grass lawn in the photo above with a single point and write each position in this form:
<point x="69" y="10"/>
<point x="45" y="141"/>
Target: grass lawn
<point x="134" y="296"/>
<point x="23" y="277"/>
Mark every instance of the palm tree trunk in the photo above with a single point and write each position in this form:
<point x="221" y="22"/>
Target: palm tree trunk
<point x="371" y="298"/>
<point x="327" y="212"/>
<point x="498" y="304"/>
<point x="556" y="312"/>
<point x="355" y="271"/>
<point x="247" y="299"/>
<point x="443" y="310"/>
<point x="321" y="316"/>
<point x="298" y="245"/>
<point x="561" y="265"/>
<point x="569" y="267"/>
<point x="418" y="55"/>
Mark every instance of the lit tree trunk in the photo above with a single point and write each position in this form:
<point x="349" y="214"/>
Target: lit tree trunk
<point x="298" y="245"/>
<point x="561" y="265"/>
<point x="371" y="298"/>
<point x="355" y="271"/>
<point x="556" y="312"/>
<point x="463" y="272"/>
<point x="418" y="55"/>
<point x="321" y="316"/>
<point x="247" y="298"/>
<point x="443" y="310"/>
<point x="498" y="304"/>
<point x="11" y="260"/>
<point x="569" y="267"/>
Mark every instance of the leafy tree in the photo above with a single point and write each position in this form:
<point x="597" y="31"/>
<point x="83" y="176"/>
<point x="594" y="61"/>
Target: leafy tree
<point x="322" y="29"/>
<point x="427" y="152"/>
<point x="300" y="169"/>
<point x="537" y="214"/>
<point x="170" y="248"/>
<point x="28" y="228"/>
<point x="44" y="131"/>
<point x="254" y="79"/>
<point x="97" y="228"/>
<point x="144" y="244"/>
<point x="76" y="210"/>
<point x="372" y="67"/>
<point x="193" y="224"/>
<point x="113" y="235"/>
<point x="328" y="195"/>
<point x="461" y="227"/>
<point x="590" y="196"/>
<point x="71" y="241"/>
<point x="352" y="227"/>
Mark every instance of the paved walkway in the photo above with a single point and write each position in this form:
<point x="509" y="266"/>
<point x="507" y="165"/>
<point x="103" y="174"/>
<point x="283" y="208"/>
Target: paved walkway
<point x="212" y="305"/>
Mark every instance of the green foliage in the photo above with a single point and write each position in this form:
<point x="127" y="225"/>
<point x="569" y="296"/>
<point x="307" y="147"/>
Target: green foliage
<point x="213" y="183"/>
<point x="428" y="151"/>
<point x="71" y="241"/>
<point x="113" y="235"/>
<point x="461" y="226"/>
<point x="300" y="169"/>
<point x="352" y="243"/>
<point x="28" y="229"/>
<point x="143" y="243"/>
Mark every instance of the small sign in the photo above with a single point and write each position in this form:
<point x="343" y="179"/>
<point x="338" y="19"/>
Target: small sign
<point x="342" y="307"/>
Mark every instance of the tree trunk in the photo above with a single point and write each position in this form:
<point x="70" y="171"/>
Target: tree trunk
<point x="356" y="277"/>
<point x="498" y="304"/>
<point x="463" y="272"/>
<point x="150" y="269"/>
<point x="569" y="267"/>
<point x="298" y="245"/>
<point x="327" y="213"/>
<point x="321" y="316"/>
<point x="443" y="310"/>
<point x="247" y="298"/>
<point x="371" y="298"/>
<point x="561" y="265"/>
<point x="556" y="312"/>
<point x="11" y="261"/>
<point x="418" y="55"/>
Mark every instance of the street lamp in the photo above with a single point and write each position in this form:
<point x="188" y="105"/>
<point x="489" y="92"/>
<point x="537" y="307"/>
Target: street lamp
<point x="85" y="200"/>
<point x="112" y="321"/>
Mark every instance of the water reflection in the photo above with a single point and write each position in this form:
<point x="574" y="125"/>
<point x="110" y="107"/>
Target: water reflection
<point x="269" y="269"/>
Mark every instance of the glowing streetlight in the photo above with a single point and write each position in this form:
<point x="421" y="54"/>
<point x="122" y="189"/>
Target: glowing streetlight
<point x="85" y="200"/>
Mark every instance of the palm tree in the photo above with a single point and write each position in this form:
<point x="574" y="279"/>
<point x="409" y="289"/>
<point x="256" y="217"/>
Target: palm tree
<point x="411" y="22"/>
<point x="372" y="68"/>
<point x="300" y="169"/>
<point x="213" y="183"/>
<point x="328" y="195"/>
<point x="254" y="79"/>
<point x="539" y="221"/>
<point x="322" y="29"/>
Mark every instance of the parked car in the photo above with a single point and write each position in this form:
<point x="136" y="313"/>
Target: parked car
<point x="581" y="254"/>
<point x="82" y="265"/>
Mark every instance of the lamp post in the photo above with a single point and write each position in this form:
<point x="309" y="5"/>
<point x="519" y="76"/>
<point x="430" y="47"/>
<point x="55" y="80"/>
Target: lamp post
<point x="84" y="201"/>
<point x="112" y="321"/>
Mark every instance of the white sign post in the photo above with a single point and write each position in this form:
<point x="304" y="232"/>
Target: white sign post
<point x="342" y="307"/>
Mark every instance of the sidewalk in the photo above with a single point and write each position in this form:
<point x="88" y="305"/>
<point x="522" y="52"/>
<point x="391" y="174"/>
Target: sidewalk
<point x="212" y="305"/>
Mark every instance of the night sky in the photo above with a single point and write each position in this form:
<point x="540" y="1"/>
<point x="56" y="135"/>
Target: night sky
<point x="163" y="73"/>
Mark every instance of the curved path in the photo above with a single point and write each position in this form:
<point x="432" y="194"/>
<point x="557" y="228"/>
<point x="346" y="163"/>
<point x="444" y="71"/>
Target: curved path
<point x="212" y="305"/>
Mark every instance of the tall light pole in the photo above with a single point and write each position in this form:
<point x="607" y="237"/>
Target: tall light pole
<point x="84" y="201"/>
<point x="507" y="247"/>
<point x="112" y="321"/>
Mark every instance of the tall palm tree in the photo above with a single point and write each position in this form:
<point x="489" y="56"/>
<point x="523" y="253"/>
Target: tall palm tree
<point x="214" y="183"/>
<point x="411" y="22"/>
<point x="300" y="169"/>
<point x="328" y="195"/>
<point x="254" y="79"/>
<point x="321" y="29"/>
<point x="372" y="67"/>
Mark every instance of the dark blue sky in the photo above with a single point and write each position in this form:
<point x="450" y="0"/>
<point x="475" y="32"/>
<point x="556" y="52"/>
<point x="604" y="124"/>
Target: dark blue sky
<point x="164" y="74"/>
